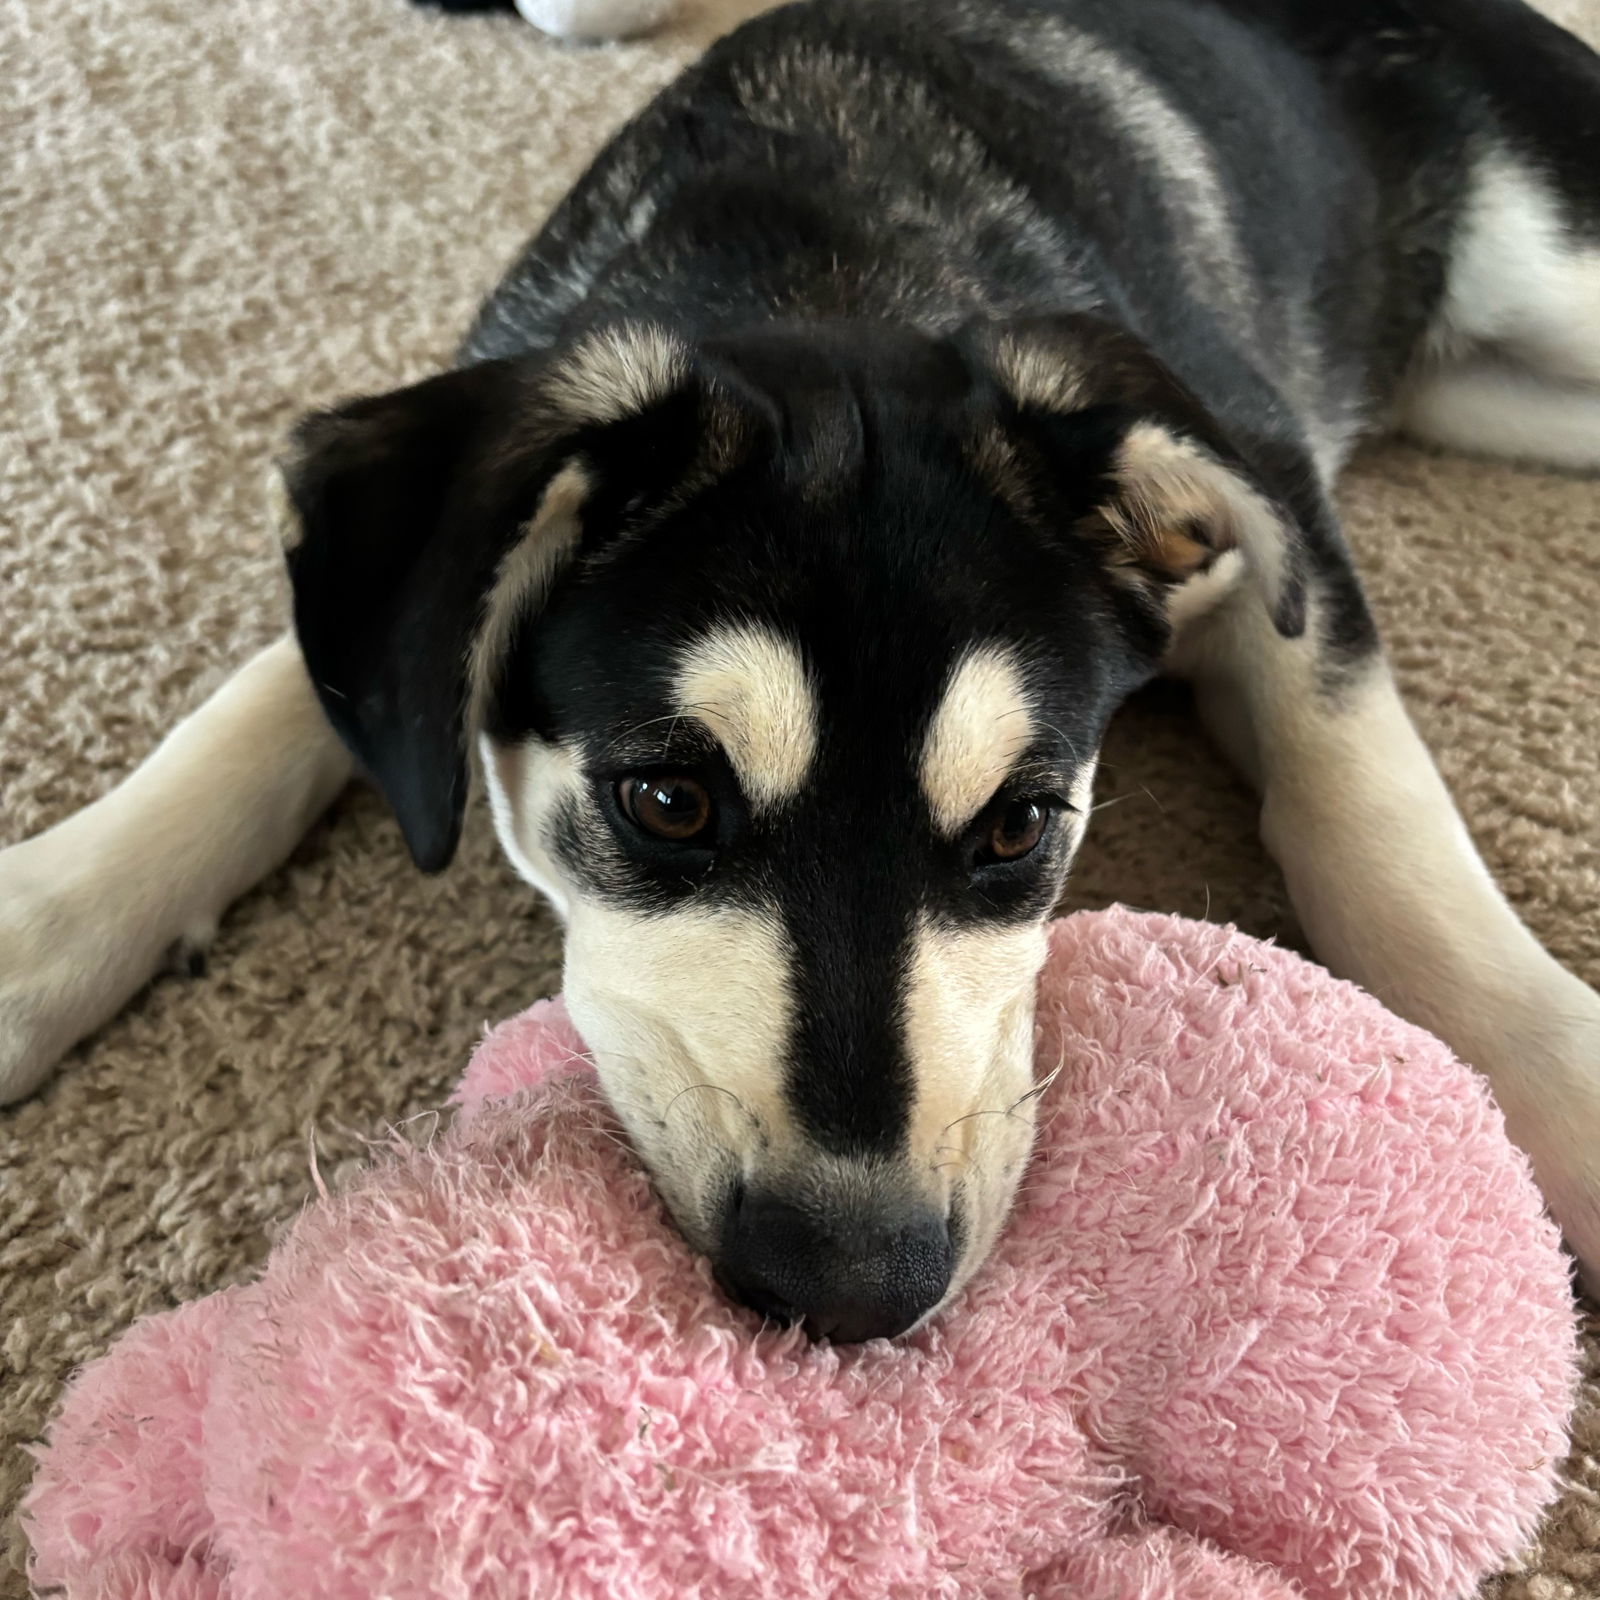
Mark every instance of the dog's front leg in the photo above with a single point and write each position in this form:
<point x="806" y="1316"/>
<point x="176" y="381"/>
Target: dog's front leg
<point x="91" y="909"/>
<point x="1393" y="894"/>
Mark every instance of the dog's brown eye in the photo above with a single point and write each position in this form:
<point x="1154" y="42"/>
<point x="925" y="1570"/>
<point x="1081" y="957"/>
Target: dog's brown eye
<point x="668" y="805"/>
<point x="1018" y="827"/>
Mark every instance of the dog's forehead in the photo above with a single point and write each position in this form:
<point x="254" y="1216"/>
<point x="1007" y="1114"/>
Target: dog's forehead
<point x="791" y="704"/>
<point x="799" y="626"/>
<point x="759" y="631"/>
<point x="960" y="718"/>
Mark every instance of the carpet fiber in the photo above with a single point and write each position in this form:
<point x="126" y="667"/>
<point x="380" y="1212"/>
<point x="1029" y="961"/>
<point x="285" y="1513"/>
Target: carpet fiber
<point x="213" y="216"/>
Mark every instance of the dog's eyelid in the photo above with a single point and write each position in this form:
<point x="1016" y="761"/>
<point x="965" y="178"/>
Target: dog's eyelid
<point x="1044" y="787"/>
<point x="689" y="753"/>
<point x="1046" y="784"/>
<point x="669" y="743"/>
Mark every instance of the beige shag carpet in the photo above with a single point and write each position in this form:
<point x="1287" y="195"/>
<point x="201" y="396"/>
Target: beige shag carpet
<point x="214" y="215"/>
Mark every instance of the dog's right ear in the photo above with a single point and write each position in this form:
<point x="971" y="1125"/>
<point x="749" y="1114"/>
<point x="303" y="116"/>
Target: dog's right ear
<point x="427" y="521"/>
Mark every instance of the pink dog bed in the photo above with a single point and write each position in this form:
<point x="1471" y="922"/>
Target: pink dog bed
<point x="1278" y="1315"/>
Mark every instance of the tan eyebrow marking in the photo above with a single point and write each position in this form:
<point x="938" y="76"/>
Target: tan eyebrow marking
<point x="982" y="725"/>
<point x="750" y="688"/>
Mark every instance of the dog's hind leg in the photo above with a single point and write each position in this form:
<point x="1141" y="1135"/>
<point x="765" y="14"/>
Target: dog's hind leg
<point x="1512" y="364"/>
<point x="91" y="909"/>
<point x="1487" y="406"/>
<point x="1392" y="892"/>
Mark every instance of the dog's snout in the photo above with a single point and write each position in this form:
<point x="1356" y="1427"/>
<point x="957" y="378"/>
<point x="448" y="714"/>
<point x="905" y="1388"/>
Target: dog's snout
<point x="855" y="1277"/>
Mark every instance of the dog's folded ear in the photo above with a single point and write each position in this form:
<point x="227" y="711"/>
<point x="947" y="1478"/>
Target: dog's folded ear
<point x="427" y="521"/>
<point x="1133" y="459"/>
<point x="1173" y="506"/>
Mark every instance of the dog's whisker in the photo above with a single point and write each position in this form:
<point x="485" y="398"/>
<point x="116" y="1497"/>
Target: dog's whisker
<point x="714" y="1088"/>
<point x="1132" y="794"/>
<point x="650" y="722"/>
<point x="1040" y="1087"/>
<point x="997" y="1111"/>
<point x="1071" y="744"/>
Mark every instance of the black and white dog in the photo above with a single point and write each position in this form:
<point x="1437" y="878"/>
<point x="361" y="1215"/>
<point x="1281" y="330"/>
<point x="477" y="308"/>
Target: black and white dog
<point x="906" y="384"/>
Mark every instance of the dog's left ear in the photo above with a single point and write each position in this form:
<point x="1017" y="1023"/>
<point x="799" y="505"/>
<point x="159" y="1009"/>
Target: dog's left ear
<point x="1174" y="506"/>
<point x="426" y="522"/>
<point x="1140" y="465"/>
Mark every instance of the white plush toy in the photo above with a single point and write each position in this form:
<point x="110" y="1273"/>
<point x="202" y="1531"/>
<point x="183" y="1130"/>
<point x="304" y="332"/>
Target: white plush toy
<point x="578" y="19"/>
<point x="597" y="19"/>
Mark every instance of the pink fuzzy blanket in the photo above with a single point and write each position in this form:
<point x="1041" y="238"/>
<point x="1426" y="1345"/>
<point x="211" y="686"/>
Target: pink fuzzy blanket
<point x="1278" y="1314"/>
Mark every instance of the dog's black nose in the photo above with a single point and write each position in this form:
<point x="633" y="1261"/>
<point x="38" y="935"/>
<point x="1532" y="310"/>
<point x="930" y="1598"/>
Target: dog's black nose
<point x="865" y="1277"/>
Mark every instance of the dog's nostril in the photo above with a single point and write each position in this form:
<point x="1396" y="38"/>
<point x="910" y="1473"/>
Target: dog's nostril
<point x="861" y="1277"/>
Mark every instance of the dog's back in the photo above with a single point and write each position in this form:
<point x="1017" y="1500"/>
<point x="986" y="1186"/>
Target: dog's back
<point x="1260" y="189"/>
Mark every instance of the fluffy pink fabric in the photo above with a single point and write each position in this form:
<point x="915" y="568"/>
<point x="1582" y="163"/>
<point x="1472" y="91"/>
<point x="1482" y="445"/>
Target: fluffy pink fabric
<point x="1278" y="1315"/>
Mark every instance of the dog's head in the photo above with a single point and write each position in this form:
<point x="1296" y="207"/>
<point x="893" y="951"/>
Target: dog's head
<point x="788" y="656"/>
